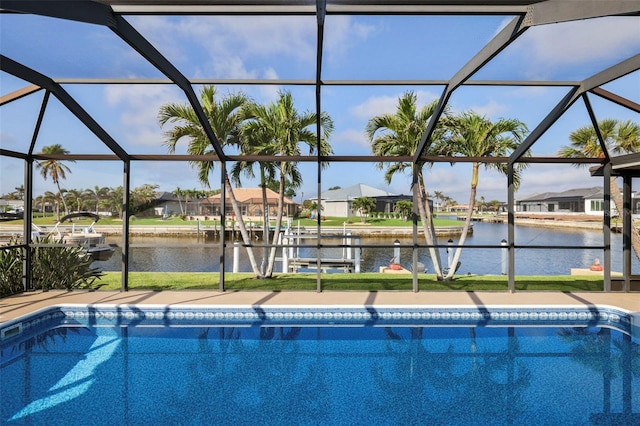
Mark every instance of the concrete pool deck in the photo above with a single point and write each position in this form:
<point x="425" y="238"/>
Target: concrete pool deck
<point x="25" y="303"/>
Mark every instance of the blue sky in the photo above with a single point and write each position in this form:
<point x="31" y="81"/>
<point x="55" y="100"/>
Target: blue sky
<point x="356" y="47"/>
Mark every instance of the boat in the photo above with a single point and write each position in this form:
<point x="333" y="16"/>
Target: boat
<point x="83" y="236"/>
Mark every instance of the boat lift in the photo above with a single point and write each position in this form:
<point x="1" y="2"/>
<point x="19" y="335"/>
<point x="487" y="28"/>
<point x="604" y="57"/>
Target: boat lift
<point x="342" y="257"/>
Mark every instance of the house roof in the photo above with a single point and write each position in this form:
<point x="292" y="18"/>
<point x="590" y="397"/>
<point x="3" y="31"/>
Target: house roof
<point x="166" y="196"/>
<point x="351" y="192"/>
<point x="251" y="195"/>
<point x="595" y="192"/>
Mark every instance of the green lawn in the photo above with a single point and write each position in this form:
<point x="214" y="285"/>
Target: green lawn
<point x="364" y="281"/>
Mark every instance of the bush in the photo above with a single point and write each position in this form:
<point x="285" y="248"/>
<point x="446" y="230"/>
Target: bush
<point x="52" y="267"/>
<point x="11" y="270"/>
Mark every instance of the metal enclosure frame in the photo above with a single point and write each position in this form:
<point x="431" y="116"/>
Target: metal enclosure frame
<point x="527" y="14"/>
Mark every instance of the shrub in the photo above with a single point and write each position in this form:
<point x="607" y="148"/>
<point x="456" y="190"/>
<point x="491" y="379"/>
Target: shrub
<point x="53" y="266"/>
<point x="11" y="270"/>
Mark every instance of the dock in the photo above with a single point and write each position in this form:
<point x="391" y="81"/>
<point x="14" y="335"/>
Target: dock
<point x="294" y="259"/>
<point x="485" y="219"/>
<point x="296" y="263"/>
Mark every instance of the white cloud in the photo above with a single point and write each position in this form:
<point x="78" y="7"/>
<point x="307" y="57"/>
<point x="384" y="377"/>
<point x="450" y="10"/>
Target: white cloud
<point x="139" y="106"/>
<point x="352" y="138"/>
<point x="270" y="92"/>
<point x="345" y="33"/>
<point x="579" y="42"/>
<point x="378" y="105"/>
<point x="226" y="46"/>
<point x="545" y="178"/>
<point x="491" y="109"/>
<point x="375" y="106"/>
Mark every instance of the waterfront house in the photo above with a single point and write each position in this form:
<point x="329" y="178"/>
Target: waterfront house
<point x="582" y="200"/>
<point x="250" y="201"/>
<point x="339" y="202"/>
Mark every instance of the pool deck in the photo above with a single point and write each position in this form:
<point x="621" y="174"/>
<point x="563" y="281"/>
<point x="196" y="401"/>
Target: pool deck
<point x="22" y="304"/>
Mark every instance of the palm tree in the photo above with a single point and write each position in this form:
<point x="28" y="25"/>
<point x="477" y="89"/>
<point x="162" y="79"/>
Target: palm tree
<point x="472" y="135"/>
<point x="56" y="198"/>
<point x="98" y="195"/>
<point x="178" y="193"/>
<point x="313" y="207"/>
<point x="142" y="197"/>
<point x="225" y="120"/>
<point x="400" y="134"/>
<point x="255" y="140"/>
<point x="363" y="205"/>
<point x="76" y="199"/>
<point x="54" y="168"/>
<point x="404" y="208"/>
<point x="438" y="195"/>
<point x="42" y="200"/>
<point x="114" y="200"/>
<point x="279" y="129"/>
<point x="620" y="137"/>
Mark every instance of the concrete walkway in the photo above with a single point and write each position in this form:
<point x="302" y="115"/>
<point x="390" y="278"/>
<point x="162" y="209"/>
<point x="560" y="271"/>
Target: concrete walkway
<point x="22" y="304"/>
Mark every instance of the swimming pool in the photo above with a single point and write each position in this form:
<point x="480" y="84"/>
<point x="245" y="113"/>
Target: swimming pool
<point x="125" y="364"/>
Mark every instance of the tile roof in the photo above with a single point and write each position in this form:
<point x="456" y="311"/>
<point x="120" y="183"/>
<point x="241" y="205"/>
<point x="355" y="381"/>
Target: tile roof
<point x="252" y="195"/>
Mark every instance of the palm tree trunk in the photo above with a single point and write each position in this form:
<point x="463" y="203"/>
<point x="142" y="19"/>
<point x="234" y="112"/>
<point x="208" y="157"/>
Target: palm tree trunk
<point x="243" y="228"/>
<point x="427" y="224"/>
<point x="64" y="203"/>
<point x="467" y="222"/>
<point x="265" y="222"/>
<point x="616" y="194"/>
<point x="276" y="231"/>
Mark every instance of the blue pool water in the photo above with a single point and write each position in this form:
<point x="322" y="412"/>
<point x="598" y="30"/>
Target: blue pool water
<point x="384" y="366"/>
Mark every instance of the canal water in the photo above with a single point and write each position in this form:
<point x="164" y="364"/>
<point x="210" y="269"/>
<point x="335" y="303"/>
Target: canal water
<point x="193" y="254"/>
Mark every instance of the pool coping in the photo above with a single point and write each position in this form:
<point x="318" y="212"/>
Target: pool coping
<point x="208" y="315"/>
<point x="20" y="305"/>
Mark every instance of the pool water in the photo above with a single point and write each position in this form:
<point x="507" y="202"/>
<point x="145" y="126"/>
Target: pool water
<point x="107" y="371"/>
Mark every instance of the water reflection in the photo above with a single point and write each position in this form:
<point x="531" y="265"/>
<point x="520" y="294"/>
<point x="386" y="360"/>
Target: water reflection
<point x="330" y="375"/>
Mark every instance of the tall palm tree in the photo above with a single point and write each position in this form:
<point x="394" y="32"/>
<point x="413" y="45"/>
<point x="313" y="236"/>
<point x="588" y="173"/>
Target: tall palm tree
<point x="439" y="195"/>
<point x="114" y="200"/>
<point x="75" y="199"/>
<point x="56" y="198"/>
<point x="98" y="195"/>
<point x="472" y="135"/>
<point x="255" y="140"/>
<point x="400" y="134"/>
<point x="54" y="168"/>
<point x="279" y="129"/>
<point x="225" y="120"/>
<point x="620" y="137"/>
<point x="179" y="193"/>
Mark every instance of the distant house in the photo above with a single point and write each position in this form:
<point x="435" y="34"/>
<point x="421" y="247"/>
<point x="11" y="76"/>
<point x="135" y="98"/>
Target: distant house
<point x="250" y="201"/>
<point x="167" y="204"/>
<point x="582" y="200"/>
<point x="10" y="204"/>
<point x="339" y="202"/>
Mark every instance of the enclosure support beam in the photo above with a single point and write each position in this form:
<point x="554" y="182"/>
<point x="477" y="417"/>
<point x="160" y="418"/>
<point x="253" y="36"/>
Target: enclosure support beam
<point x="507" y="35"/>
<point x="126" y="185"/>
<point x="607" y="227"/>
<point x="626" y="232"/>
<point x="18" y="70"/>
<point x="223" y="222"/>
<point x="511" y="234"/>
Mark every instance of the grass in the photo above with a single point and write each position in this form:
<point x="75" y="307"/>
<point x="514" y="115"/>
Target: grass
<point x="343" y="282"/>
